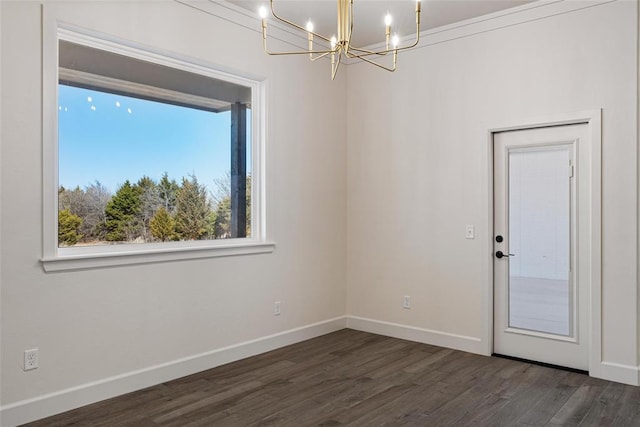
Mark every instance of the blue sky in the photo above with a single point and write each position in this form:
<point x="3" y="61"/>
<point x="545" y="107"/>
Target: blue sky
<point x="112" y="138"/>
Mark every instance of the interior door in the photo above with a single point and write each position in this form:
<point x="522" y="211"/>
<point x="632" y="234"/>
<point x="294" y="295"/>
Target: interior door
<point x="540" y="302"/>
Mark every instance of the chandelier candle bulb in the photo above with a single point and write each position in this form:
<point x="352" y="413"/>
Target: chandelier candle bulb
<point x="310" y="38"/>
<point x="387" y="23"/>
<point x="263" y="16"/>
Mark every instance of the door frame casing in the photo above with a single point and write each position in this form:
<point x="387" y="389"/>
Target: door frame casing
<point x="593" y="119"/>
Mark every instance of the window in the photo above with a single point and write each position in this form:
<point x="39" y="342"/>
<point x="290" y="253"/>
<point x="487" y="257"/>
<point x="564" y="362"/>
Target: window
<point x="152" y="155"/>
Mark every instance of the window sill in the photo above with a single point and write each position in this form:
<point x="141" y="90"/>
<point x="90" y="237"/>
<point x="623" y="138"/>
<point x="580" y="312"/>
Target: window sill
<point x="75" y="259"/>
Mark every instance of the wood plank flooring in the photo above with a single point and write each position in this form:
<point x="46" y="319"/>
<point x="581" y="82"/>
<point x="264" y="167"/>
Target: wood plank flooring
<point x="361" y="379"/>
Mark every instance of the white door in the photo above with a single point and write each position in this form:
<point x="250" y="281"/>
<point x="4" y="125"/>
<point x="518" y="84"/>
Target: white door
<point x="540" y="213"/>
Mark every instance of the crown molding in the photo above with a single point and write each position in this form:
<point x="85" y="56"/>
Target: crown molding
<point x="469" y="27"/>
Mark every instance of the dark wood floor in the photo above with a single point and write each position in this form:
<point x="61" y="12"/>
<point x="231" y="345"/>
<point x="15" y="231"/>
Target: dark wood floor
<point x="361" y="379"/>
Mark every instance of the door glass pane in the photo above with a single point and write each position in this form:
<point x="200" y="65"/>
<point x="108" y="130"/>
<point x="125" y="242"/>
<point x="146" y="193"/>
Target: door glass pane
<point x="540" y="296"/>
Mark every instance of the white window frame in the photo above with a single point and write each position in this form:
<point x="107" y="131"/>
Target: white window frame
<point x="56" y="258"/>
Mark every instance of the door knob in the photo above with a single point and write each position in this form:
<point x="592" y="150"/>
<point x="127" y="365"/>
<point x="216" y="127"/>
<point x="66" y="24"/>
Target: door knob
<point x="501" y="254"/>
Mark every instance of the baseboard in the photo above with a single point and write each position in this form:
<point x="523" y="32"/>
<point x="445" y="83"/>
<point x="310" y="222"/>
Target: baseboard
<point x="43" y="406"/>
<point x="413" y="333"/>
<point x="54" y="403"/>
<point x="610" y="371"/>
<point x="626" y="374"/>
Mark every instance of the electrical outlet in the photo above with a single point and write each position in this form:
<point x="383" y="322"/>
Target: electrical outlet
<point x="30" y="359"/>
<point x="406" y="302"/>
<point x="276" y="308"/>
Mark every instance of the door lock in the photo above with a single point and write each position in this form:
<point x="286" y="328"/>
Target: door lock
<point x="501" y="254"/>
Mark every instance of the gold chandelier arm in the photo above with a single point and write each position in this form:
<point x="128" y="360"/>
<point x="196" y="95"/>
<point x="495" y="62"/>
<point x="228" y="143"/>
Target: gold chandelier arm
<point x="334" y="67"/>
<point x="365" y="52"/>
<point x="321" y="53"/>
<point x="384" y="67"/>
<point x="293" y="24"/>
<point x="415" y="42"/>
<point x="320" y="56"/>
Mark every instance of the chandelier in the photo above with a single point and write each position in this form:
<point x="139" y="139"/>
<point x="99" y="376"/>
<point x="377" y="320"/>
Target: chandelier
<point x="340" y="45"/>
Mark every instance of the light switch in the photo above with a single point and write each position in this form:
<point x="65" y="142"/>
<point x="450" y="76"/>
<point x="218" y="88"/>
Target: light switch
<point x="470" y="232"/>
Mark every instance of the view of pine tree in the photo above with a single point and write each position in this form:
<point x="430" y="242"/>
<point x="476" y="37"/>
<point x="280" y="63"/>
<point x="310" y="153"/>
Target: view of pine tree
<point x="68" y="228"/>
<point x="150" y="202"/>
<point x="192" y="209"/>
<point x="163" y="226"/>
<point x="210" y="232"/>
<point x="167" y="191"/>
<point x="222" y="224"/>
<point x="122" y="213"/>
<point x="147" y="211"/>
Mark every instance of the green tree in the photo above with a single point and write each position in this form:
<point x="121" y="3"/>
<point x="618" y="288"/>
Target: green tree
<point x="222" y="224"/>
<point x="150" y="201"/>
<point x="68" y="228"/>
<point x="222" y="200"/>
<point x="167" y="191"/>
<point x="122" y="214"/>
<point x="163" y="226"/>
<point x="192" y="209"/>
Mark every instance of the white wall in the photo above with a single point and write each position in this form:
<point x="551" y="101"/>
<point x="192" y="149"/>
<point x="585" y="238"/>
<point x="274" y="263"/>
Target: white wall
<point x="418" y="166"/>
<point x="132" y="318"/>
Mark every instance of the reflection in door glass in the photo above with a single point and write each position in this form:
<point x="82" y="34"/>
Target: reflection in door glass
<point x="540" y="296"/>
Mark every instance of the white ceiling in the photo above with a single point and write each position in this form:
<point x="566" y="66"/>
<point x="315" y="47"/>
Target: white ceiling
<point x="369" y="14"/>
